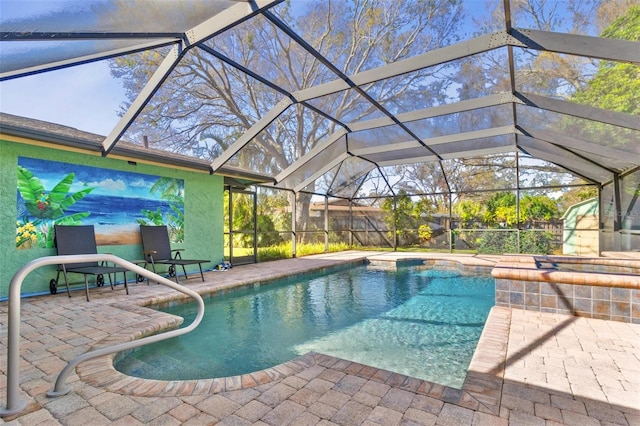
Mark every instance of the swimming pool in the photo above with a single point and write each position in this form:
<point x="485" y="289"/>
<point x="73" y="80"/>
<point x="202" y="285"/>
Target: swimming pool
<point x="414" y="321"/>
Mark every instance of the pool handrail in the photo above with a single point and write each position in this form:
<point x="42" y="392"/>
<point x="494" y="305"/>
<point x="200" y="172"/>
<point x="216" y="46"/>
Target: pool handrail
<point x="14" y="404"/>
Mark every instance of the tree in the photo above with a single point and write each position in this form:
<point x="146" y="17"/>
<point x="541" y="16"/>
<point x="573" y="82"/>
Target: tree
<point x="537" y="71"/>
<point x="434" y="180"/>
<point x="401" y="213"/>
<point x="206" y="102"/>
<point x="576" y="195"/>
<point x="272" y="216"/>
<point x="501" y="209"/>
<point x="242" y="222"/>
<point x="538" y="207"/>
<point x="468" y="211"/>
<point x="615" y="86"/>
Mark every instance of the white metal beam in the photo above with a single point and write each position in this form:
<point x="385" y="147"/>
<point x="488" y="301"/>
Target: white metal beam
<point x="439" y="140"/>
<point x="247" y="136"/>
<point x="533" y="39"/>
<point x="594" y="47"/>
<point x="480" y="151"/>
<point x="462" y="154"/>
<point x="414" y="160"/>
<point x="579" y="144"/>
<point x="221" y="21"/>
<point x="563" y="158"/>
<point x="161" y="73"/>
<point x="573" y="44"/>
<point x="466" y="105"/>
<point x="311" y="154"/>
<point x="437" y="111"/>
<point x="322" y="170"/>
<point x="226" y="19"/>
<point x="586" y="112"/>
<point x="435" y="57"/>
<point x="99" y="56"/>
<point x="363" y="152"/>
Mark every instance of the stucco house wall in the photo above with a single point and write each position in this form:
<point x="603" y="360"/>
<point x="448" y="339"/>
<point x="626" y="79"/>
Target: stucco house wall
<point x="203" y="209"/>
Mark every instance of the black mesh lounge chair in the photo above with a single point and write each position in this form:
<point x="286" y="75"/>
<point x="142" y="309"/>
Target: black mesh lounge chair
<point x="82" y="240"/>
<point x="157" y="251"/>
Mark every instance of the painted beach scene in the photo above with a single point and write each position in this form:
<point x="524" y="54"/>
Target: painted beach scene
<point x="115" y="202"/>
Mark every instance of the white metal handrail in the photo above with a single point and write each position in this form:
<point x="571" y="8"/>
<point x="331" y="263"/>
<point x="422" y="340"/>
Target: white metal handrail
<point x="14" y="404"/>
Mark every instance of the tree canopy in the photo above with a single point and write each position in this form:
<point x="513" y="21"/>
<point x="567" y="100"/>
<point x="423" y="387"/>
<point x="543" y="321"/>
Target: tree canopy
<point x="218" y="92"/>
<point x="208" y="102"/>
<point x="616" y="86"/>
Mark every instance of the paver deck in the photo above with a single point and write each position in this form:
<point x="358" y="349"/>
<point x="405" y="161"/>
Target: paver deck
<point x="529" y="368"/>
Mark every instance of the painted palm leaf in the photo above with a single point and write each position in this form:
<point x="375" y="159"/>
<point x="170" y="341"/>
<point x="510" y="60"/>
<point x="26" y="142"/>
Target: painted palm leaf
<point x="60" y="199"/>
<point x="47" y="205"/>
<point x="29" y="186"/>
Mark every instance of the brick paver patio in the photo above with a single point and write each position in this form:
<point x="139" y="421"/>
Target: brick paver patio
<point x="530" y="368"/>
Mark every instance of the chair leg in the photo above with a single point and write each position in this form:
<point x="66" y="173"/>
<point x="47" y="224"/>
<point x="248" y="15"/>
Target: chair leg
<point x="66" y="281"/>
<point x="186" y="277"/>
<point x="179" y="256"/>
<point x="145" y="267"/>
<point x="201" y="274"/>
<point x="125" y="282"/>
<point x="153" y="266"/>
<point x="86" y="286"/>
<point x="176" y="276"/>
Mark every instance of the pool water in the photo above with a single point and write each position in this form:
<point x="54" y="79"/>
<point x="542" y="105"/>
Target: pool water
<point x="418" y="322"/>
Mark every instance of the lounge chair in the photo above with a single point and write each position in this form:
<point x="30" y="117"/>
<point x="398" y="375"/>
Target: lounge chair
<point x="157" y="251"/>
<point x="71" y="240"/>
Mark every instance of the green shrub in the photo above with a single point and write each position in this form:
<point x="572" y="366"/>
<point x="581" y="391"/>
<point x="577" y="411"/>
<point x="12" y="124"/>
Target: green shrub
<point x="283" y="250"/>
<point x="536" y="242"/>
<point x="531" y="242"/>
<point x="425" y="233"/>
<point x="498" y="242"/>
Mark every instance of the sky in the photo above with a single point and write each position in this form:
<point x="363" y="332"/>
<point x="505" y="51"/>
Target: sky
<point x="85" y="97"/>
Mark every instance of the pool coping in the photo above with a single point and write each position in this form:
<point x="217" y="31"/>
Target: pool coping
<point x="480" y="391"/>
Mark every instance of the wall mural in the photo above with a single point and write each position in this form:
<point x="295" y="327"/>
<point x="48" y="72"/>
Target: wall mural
<point x="115" y="202"/>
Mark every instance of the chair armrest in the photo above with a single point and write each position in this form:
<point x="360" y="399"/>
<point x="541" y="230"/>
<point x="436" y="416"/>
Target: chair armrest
<point x="177" y="253"/>
<point x="148" y="254"/>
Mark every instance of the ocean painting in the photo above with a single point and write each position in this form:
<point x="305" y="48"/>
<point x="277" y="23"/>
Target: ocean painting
<point x="115" y="202"/>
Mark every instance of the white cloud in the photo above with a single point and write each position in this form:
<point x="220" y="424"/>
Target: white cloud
<point x="109" y="185"/>
<point x="138" y="183"/>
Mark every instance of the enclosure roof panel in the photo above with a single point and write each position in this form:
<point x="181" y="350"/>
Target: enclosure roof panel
<point x="294" y="93"/>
